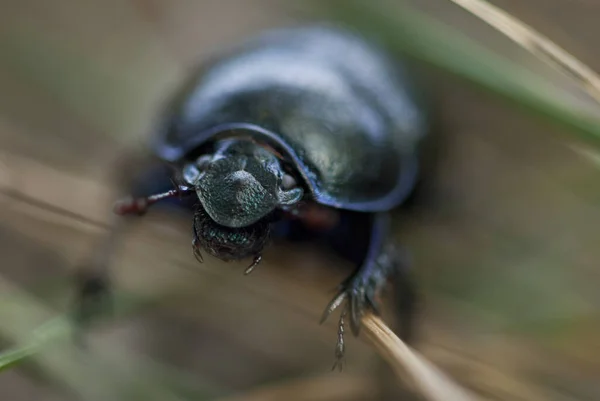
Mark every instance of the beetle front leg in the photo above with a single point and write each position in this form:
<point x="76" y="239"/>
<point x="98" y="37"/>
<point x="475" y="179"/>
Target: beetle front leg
<point x="92" y="280"/>
<point x="384" y="261"/>
<point x="93" y="290"/>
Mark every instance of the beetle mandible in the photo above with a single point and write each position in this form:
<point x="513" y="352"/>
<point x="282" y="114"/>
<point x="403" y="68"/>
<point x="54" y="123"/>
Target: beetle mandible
<point x="311" y="132"/>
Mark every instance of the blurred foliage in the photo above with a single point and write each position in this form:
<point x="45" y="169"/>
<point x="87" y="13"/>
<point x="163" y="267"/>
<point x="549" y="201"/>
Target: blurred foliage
<point x="406" y="31"/>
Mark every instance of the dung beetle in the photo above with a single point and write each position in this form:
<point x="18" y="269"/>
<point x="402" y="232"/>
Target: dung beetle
<point x="303" y="133"/>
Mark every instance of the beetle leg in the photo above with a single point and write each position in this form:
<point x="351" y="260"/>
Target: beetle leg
<point x="93" y="296"/>
<point x="362" y="288"/>
<point x="93" y="289"/>
<point x="340" y="347"/>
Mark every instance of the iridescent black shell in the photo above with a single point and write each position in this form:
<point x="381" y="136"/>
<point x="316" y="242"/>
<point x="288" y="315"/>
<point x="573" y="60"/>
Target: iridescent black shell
<point x="342" y="113"/>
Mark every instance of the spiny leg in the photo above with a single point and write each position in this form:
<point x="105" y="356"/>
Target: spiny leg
<point x="93" y="287"/>
<point x="340" y="347"/>
<point x="360" y="290"/>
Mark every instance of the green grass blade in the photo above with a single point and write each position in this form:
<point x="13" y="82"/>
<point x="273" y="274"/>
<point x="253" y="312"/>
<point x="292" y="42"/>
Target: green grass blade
<point x="410" y="33"/>
<point x="11" y="358"/>
<point x="49" y="347"/>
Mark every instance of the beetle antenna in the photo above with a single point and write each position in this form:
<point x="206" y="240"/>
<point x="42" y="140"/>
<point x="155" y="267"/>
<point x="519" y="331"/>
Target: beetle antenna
<point x="140" y="205"/>
<point x="255" y="263"/>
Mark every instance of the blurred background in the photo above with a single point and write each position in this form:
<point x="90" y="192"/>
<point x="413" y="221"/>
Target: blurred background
<point x="505" y="244"/>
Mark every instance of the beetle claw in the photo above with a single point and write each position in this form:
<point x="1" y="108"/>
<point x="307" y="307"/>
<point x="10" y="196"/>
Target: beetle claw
<point x="359" y="294"/>
<point x="333" y="305"/>
<point x="196" y="250"/>
<point x="355" y="312"/>
<point x="255" y="263"/>
<point x="340" y="347"/>
<point x="198" y="255"/>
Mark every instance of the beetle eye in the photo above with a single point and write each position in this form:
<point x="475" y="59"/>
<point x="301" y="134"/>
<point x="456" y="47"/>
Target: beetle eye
<point x="288" y="182"/>
<point x="191" y="174"/>
<point x="203" y="161"/>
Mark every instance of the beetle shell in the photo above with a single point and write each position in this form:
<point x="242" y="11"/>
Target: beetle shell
<point x="341" y="112"/>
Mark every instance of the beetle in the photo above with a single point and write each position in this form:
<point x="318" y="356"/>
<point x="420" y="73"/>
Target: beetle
<point x="303" y="133"/>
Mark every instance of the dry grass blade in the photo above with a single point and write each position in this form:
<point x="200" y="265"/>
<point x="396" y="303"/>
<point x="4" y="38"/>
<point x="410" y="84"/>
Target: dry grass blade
<point x="429" y="380"/>
<point x="536" y="43"/>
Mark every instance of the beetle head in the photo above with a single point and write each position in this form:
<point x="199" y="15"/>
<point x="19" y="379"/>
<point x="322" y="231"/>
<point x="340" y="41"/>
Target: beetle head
<point x="241" y="183"/>
<point x="239" y="187"/>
